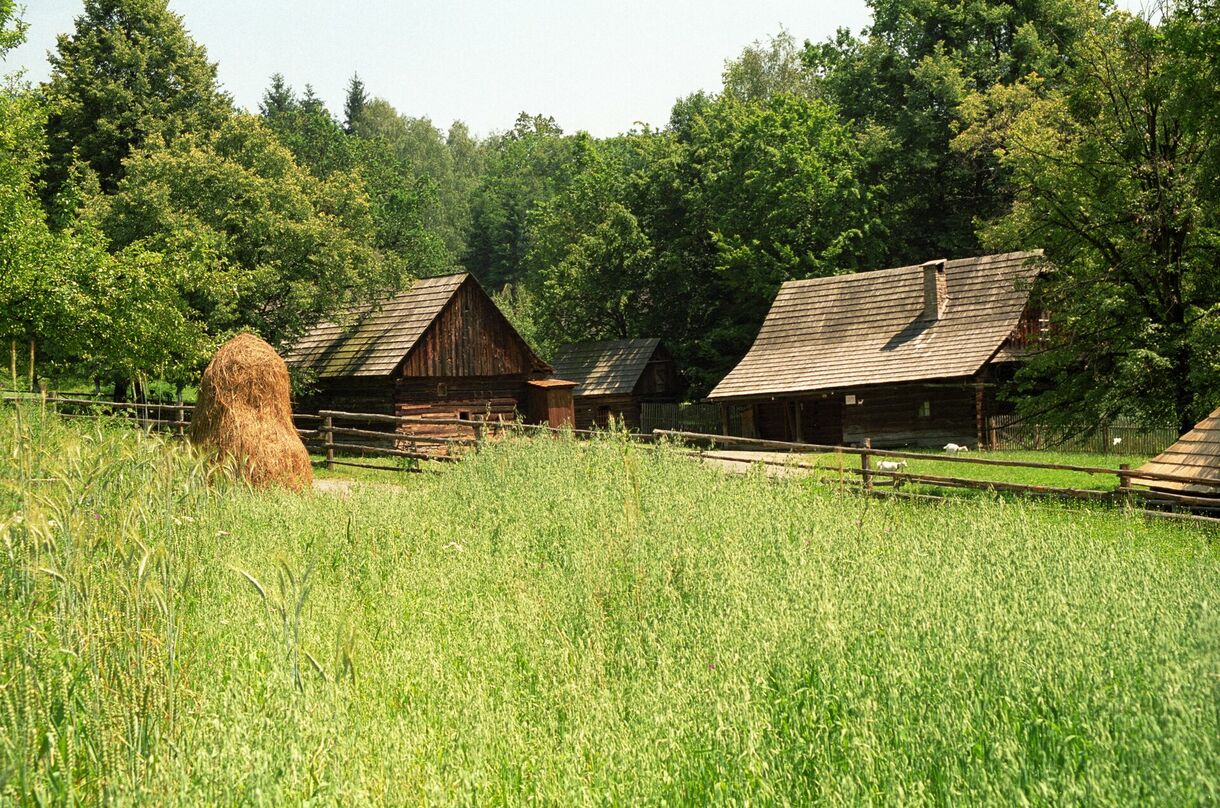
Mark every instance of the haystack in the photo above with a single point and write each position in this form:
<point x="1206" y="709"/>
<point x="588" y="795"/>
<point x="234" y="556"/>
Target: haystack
<point x="244" y="413"/>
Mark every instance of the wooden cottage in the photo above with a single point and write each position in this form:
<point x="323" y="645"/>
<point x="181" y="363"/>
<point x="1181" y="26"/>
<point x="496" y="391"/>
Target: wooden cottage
<point x="1196" y="454"/>
<point x="908" y="356"/>
<point x="613" y="379"/>
<point x="441" y="349"/>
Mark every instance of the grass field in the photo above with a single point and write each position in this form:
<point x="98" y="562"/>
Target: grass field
<point x="597" y="624"/>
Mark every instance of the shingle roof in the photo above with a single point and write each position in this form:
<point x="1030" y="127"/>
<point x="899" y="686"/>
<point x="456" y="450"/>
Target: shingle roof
<point x="1196" y="454"/>
<point x="379" y="336"/>
<point x="605" y="368"/>
<point x="867" y="328"/>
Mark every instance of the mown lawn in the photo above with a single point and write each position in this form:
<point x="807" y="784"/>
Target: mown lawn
<point x="597" y="624"/>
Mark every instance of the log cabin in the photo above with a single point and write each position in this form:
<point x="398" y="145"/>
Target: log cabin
<point x="909" y="356"/>
<point x="615" y="378"/>
<point x="441" y="349"/>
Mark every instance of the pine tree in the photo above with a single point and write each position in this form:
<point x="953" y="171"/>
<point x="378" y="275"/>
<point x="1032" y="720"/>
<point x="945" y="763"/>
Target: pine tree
<point x="278" y="99"/>
<point x="353" y="107"/>
<point x="128" y="72"/>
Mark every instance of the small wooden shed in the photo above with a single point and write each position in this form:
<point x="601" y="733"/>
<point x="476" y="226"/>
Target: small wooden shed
<point x="441" y="349"/>
<point x="909" y="356"/>
<point x="1196" y="454"/>
<point x="615" y="378"/>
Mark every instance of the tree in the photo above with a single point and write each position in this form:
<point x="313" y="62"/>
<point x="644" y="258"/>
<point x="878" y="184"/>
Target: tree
<point x="261" y="242"/>
<point x="353" y="106"/>
<point x="279" y="99"/>
<point x="1112" y="172"/>
<point x="523" y="168"/>
<point x="128" y="73"/>
<point x="902" y="87"/>
<point x="742" y="198"/>
<point x="61" y="290"/>
<point x="590" y="263"/>
<point x="767" y="69"/>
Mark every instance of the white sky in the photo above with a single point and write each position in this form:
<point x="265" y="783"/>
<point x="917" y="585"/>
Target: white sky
<point x="598" y="66"/>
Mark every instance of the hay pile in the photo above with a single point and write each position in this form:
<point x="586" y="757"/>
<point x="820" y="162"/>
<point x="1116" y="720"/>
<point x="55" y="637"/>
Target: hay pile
<point x="244" y="413"/>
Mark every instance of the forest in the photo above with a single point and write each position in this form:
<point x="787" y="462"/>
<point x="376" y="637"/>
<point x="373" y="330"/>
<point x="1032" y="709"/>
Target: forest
<point x="144" y="218"/>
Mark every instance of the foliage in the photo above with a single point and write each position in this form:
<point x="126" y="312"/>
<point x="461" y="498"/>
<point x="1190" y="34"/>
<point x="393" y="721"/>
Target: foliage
<point x="557" y="623"/>
<point x="403" y="203"/>
<point x="127" y="74"/>
<point x="79" y="306"/>
<point x="353" y="106"/>
<point x="523" y="167"/>
<point x="1111" y="172"/>
<point x="688" y="234"/>
<point x="901" y="88"/>
<point x="261" y="243"/>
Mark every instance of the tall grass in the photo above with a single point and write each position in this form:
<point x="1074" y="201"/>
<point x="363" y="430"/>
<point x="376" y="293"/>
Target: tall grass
<point x="586" y="623"/>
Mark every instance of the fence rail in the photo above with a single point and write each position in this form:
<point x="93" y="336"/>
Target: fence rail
<point x="1123" y="492"/>
<point x="321" y="433"/>
<point x="1121" y="437"/>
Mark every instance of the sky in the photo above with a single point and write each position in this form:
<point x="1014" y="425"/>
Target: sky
<point x="598" y="66"/>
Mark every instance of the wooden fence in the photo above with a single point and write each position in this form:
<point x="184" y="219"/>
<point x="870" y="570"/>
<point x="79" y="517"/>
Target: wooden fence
<point x="869" y="477"/>
<point x="345" y="438"/>
<point x="1121" y="437"/>
<point x="688" y="417"/>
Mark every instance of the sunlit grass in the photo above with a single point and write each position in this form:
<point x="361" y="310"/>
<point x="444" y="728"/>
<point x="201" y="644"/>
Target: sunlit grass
<point x="586" y="624"/>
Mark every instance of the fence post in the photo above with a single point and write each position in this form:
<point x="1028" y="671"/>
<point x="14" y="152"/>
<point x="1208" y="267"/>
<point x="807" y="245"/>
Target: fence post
<point x="865" y="465"/>
<point x="1124" y="483"/>
<point x="478" y="435"/>
<point x="180" y="416"/>
<point x="328" y="438"/>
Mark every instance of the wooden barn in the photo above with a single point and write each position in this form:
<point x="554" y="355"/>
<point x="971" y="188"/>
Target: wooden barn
<point x="1196" y="454"/>
<point x="442" y="349"/>
<point x="908" y="356"/>
<point x="614" y="378"/>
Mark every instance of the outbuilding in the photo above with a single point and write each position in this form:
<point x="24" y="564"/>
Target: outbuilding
<point x="615" y="378"/>
<point x="440" y="349"/>
<point x="1196" y="454"/>
<point x="909" y="356"/>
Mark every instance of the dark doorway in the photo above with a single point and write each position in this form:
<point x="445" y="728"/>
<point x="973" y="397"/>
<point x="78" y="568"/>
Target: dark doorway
<point x="822" y="420"/>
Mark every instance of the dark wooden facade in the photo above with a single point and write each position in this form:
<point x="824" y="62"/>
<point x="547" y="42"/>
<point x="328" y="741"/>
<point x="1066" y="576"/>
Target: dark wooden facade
<point x="461" y="358"/>
<point x="615" y="378"/>
<point x="890" y="416"/>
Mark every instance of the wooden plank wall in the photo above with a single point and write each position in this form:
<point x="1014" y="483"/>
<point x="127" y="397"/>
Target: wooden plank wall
<point x="488" y="398"/>
<point x="590" y="415"/>
<point x="352" y="394"/>
<point x="890" y="416"/>
<point x="470" y="337"/>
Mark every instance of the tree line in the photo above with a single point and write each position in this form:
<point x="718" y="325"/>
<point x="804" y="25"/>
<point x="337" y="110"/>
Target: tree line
<point x="143" y="218"/>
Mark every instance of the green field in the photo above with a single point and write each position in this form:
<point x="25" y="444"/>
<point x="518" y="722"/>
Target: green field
<point x="604" y="623"/>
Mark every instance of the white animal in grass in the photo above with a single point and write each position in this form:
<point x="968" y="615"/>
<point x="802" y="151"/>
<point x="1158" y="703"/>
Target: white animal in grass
<point x="1116" y="441"/>
<point x="953" y="448"/>
<point x="891" y="465"/>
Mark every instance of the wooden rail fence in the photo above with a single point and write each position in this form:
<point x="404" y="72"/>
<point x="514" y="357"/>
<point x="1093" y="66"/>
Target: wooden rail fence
<point x="343" y="438"/>
<point x="869" y="475"/>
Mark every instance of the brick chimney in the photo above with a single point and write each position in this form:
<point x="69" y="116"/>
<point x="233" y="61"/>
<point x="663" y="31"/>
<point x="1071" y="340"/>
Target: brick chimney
<point x="935" y="289"/>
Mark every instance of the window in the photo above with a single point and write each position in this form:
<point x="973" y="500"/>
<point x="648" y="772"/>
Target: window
<point x="464" y="415"/>
<point x="925" y="409"/>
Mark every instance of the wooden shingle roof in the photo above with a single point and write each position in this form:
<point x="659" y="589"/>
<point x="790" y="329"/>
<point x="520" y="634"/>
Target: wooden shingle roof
<point x="610" y="368"/>
<point x="868" y="328"/>
<point x="1196" y="454"/>
<point x="378" y="335"/>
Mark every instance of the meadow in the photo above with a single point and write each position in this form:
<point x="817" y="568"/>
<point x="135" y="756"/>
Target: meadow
<point x="584" y="623"/>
